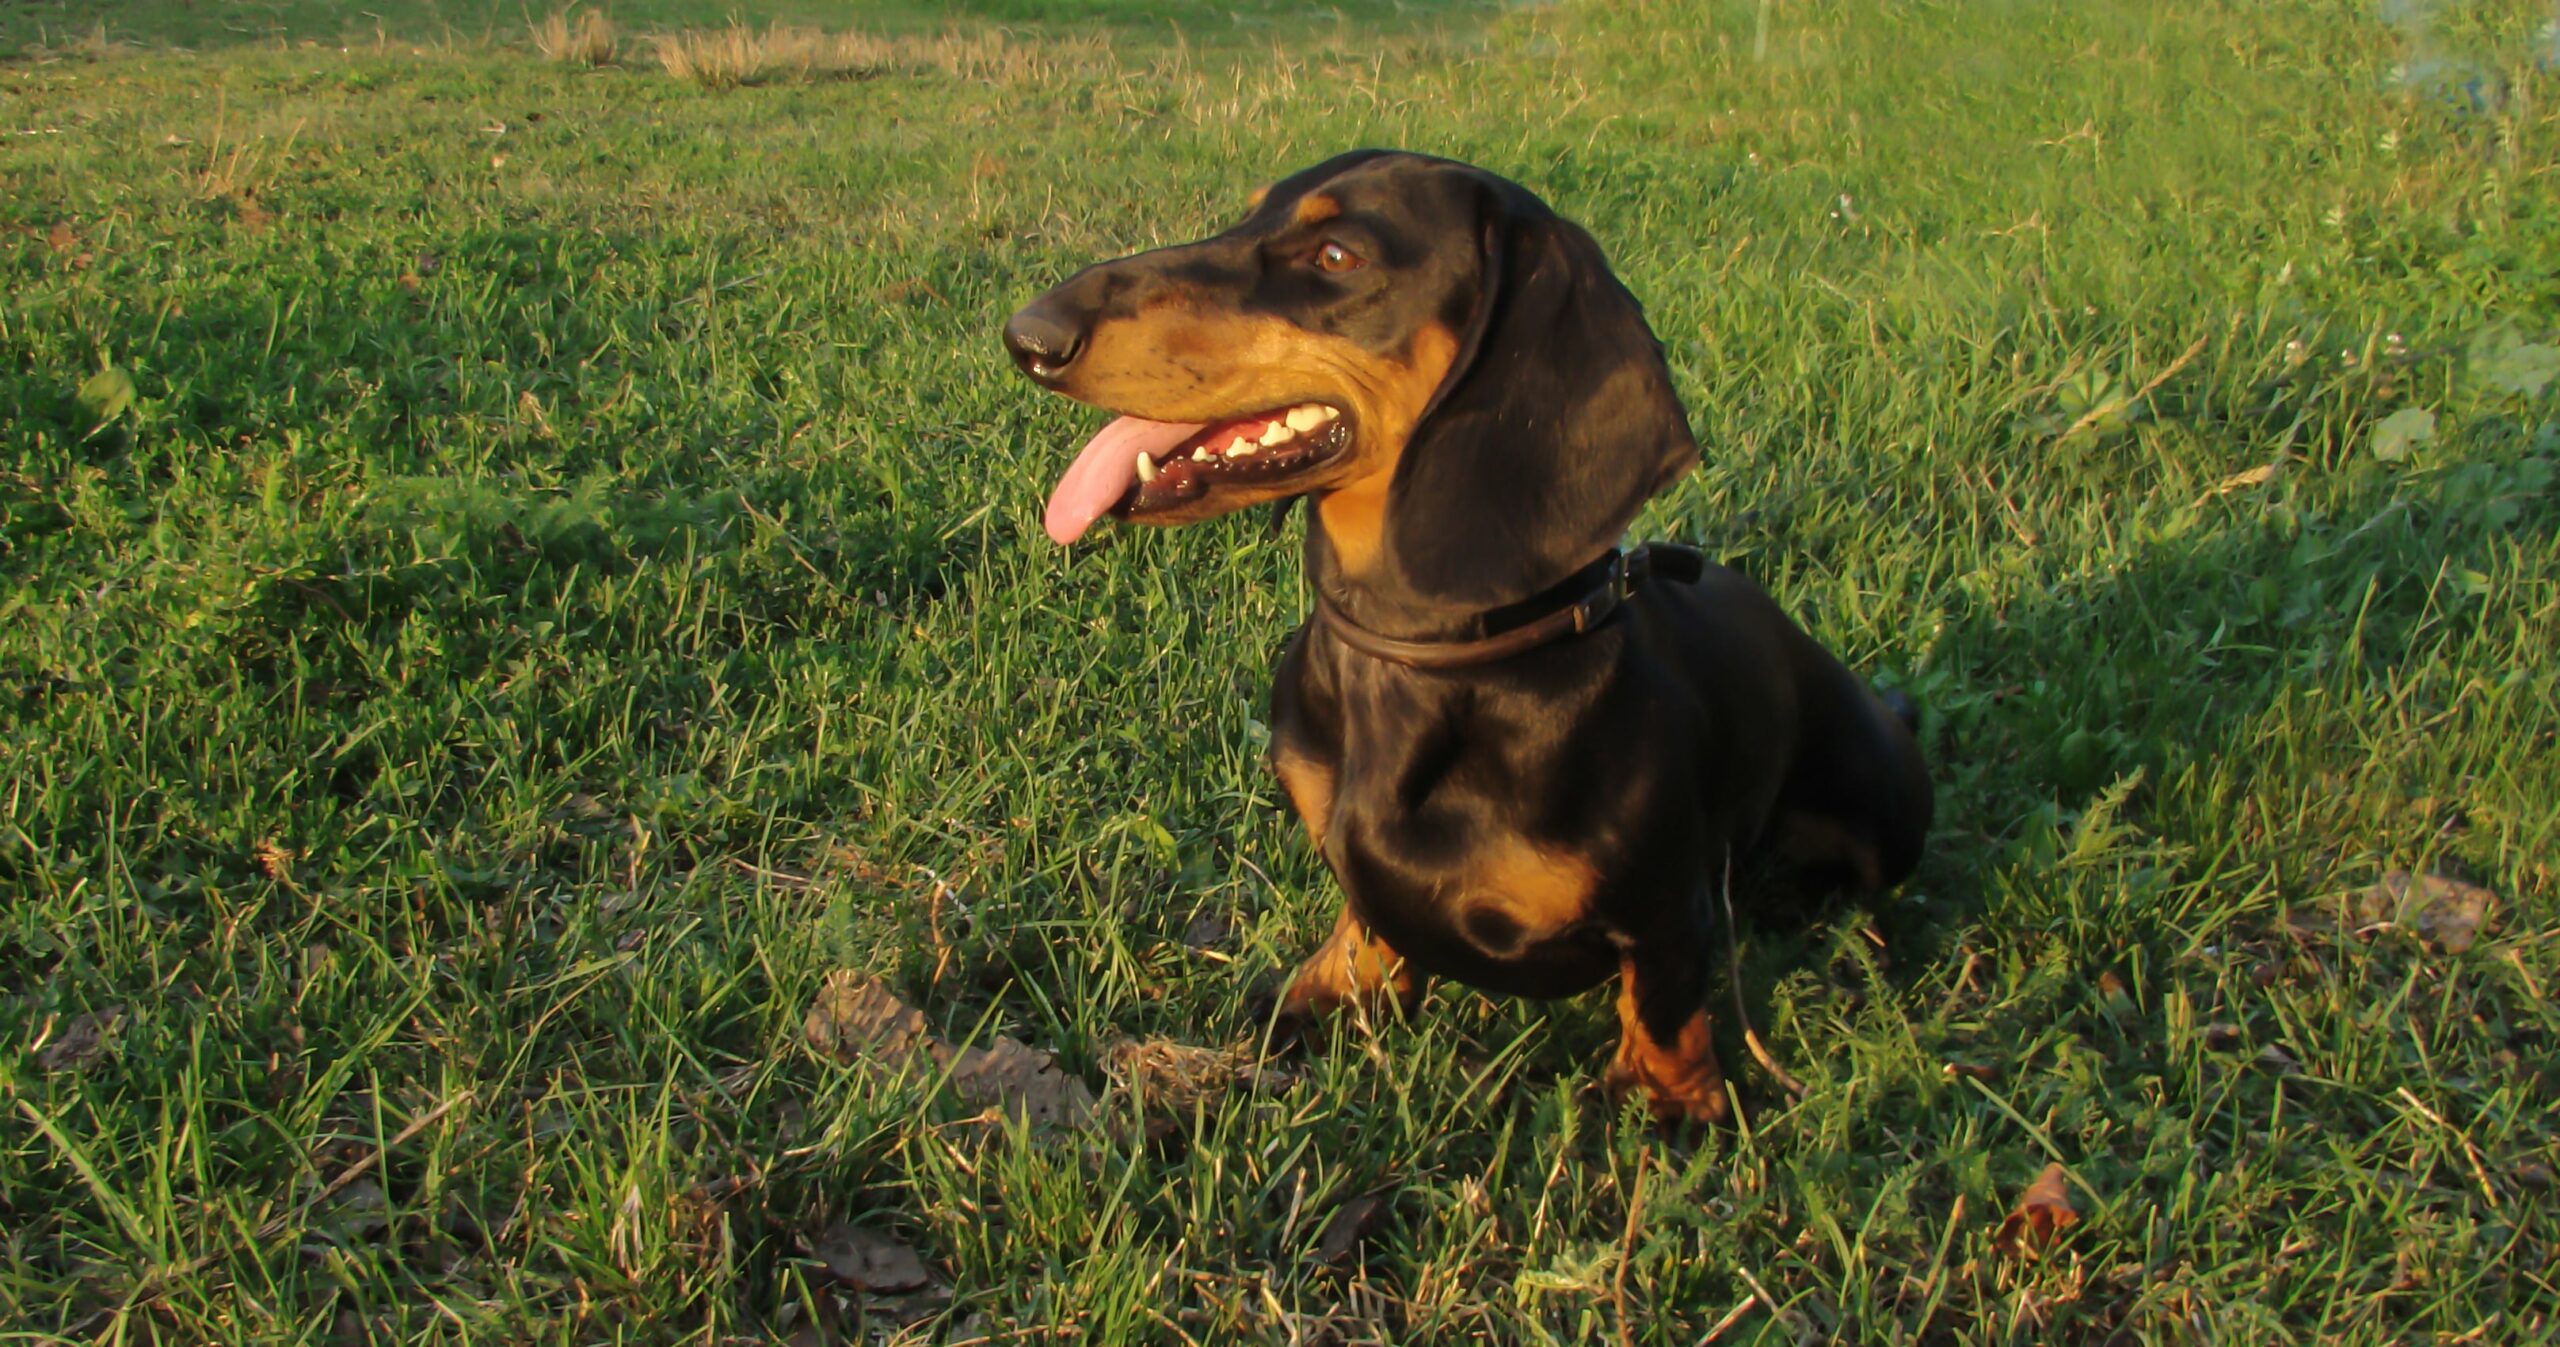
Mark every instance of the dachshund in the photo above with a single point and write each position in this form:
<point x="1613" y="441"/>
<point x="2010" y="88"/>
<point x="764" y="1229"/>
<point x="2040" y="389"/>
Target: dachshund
<point x="1530" y="759"/>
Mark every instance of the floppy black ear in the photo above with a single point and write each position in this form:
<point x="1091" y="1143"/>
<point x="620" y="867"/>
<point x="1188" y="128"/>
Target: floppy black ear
<point x="1554" y="425"/>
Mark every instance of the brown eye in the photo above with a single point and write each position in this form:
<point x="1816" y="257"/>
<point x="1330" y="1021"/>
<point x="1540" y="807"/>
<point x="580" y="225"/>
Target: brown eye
<point x="1336" y="258"/>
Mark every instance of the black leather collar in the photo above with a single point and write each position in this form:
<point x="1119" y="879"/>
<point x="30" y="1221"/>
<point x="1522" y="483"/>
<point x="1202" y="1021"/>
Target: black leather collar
<point x="1582" y="601"/>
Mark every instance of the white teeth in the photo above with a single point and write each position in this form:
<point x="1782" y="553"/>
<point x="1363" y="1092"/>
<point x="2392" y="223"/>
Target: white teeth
<point x="1304" y="419"/>
<point x="1146" y="467"/>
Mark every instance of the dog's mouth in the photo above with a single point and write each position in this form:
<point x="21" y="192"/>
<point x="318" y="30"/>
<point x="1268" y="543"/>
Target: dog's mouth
<point x="1135" y="467"/>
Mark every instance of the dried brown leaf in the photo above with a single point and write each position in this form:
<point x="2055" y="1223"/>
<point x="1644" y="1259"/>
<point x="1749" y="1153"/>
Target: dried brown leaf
<point x="355" y="1211"/>
<point x="855" y="1017"/>
<point x="273" y="859"/>
<point x="1208" y="930"/>
<point x="1345" y="1228"/>
<point x="1022" y="1082"/>
<point x="2447" y="913"/>
<point x="1169" y="1075"/>
<point x="867" y="1260"/>
<point x="2257" y="476"/>
<point x="80" y="1041"/>
<point x="2043" y="1212"/>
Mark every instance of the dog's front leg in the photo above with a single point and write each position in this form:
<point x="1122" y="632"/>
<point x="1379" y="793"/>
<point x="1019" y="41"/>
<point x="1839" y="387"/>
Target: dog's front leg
<point x="1666" y="1038"/>
<point x="1352" y="968"/>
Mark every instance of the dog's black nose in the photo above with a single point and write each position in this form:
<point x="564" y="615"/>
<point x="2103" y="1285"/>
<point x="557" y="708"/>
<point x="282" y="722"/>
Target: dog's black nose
<point x="1042" y="341"/>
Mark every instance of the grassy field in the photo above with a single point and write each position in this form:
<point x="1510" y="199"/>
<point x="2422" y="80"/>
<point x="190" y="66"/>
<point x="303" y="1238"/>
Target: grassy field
<point x="515" y="572"/>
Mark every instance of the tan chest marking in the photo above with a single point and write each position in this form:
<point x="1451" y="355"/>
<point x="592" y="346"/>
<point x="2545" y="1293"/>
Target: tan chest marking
<point x="1519" y="893"/>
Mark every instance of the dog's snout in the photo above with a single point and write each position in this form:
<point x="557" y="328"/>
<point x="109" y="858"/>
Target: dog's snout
<point x="1043" y="340"/>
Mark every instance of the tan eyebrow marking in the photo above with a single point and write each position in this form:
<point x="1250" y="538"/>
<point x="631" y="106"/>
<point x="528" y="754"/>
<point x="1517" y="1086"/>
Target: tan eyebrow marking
<point x="1315" y="208"/>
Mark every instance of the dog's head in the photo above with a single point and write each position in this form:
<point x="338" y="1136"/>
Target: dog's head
<point x="1447" y="366"/>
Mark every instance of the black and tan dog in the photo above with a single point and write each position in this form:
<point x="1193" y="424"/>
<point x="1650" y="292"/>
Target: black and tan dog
<point x="1528" y="768"/>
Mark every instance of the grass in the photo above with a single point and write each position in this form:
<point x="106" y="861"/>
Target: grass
<point x="516" y="572"/>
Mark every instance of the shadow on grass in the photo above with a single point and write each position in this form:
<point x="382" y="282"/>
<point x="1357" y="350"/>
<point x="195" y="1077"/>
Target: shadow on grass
<point x="2142" y="714"/>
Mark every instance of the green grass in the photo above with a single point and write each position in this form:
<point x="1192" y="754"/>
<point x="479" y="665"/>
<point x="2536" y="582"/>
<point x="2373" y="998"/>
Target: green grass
<point x="568" y="577"/>
<point x="309" y="23"/>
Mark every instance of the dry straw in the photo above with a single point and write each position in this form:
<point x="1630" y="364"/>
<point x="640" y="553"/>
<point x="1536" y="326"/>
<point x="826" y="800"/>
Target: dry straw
<point x="580" y="37"/>
<point x="724" y="58"/>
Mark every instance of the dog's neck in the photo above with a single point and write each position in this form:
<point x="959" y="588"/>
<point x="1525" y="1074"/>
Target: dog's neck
<point x="1387" y="599"/>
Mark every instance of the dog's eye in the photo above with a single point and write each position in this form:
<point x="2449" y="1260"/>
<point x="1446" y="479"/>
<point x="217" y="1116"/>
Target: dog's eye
<point x="1336" y="258"/>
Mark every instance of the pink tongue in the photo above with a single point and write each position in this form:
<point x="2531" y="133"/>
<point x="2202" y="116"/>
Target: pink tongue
<point x="1105" y="471"/>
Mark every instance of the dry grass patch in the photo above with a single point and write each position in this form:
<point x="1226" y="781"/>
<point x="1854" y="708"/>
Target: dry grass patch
<point x="581" y="37"/>
<point x="724" y="58"/>
<point x="93" y="45"/>
<point x="996" y="58"/>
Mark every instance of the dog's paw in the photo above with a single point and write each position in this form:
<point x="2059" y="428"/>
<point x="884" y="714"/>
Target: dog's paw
<point x="1681" y="1083"/>
<point x="1670" y="1108"/>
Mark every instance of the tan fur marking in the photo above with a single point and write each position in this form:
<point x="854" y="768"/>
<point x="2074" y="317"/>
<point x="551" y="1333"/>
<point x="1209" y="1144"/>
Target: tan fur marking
<point x="1316" y="208"/>
<point x="1260" y="194"/>
<point x="1542" y="890"/>
<point x="1355" y="519"/>
<point x="1352" y="966"/>
<point x="1310" y="787"/>
<point x="1681" y="1079"/>
<point x="1355" y="514"/>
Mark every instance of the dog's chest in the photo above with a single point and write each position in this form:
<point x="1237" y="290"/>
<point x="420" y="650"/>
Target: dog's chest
<point x="1446" y="830"/>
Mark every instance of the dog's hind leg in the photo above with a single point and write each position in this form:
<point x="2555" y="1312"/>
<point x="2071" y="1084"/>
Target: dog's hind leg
<point x="1856" y="809"/>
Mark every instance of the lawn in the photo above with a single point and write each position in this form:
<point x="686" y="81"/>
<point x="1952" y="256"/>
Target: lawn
<point x="517" y="572"/>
